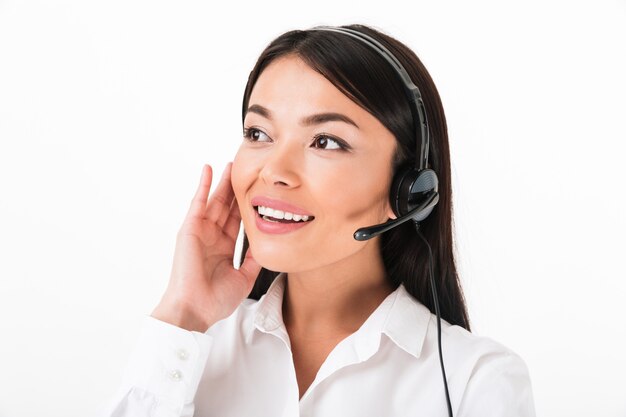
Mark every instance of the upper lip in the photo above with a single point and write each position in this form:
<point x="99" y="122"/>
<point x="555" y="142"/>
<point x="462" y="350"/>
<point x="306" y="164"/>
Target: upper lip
<point x="279" y="205"/>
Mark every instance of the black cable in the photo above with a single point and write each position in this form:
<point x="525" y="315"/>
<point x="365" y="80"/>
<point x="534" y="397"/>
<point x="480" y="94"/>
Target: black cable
<point x="436" y="303"/>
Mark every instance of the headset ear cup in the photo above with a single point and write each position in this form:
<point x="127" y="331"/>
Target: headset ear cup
<point x="409" y="188"/>
<point x="425" y="183"/>
<point x="400" y="190"/>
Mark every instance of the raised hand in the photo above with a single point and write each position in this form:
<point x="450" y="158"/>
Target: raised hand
<point x="204" y="286"/>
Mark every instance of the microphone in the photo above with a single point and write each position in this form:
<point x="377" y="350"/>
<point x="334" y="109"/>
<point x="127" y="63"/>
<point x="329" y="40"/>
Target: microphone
<point x="369" y="232"/>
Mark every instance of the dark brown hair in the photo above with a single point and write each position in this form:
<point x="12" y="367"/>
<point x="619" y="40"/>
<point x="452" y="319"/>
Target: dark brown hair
<point x="367" y="79"/>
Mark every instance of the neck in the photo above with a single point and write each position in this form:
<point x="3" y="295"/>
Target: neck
<point x="338" y="298"/>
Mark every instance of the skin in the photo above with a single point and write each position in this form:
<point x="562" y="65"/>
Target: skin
<point x="334" y="282"/>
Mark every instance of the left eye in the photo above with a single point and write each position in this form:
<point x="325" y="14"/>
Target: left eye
<point x="326" y="142"/>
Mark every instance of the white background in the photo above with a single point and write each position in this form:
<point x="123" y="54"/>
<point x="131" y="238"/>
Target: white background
<point x="109" y="109"/>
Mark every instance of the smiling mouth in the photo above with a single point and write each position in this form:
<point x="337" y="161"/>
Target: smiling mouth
<point x="279" y="216"/>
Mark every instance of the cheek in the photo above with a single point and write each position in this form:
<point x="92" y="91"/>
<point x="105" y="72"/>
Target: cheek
<point x="358" y="197"/>
<point x="241" y="175"/>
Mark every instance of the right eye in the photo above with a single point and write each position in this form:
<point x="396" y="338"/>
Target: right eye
<point x="255" y="135"/>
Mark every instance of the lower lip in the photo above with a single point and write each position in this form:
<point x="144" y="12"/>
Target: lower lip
<point x="276" y="228"/>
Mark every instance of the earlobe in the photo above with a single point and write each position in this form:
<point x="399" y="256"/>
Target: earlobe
<point x="391" y="214"/>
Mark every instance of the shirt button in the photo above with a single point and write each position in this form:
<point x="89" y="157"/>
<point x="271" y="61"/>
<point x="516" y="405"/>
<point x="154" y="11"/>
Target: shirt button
<point x="182" y="354"/>
<point x="176" y="375"/>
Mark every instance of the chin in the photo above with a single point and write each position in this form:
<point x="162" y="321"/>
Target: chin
<point x="277" y="258"/>
<point x="274" y="257"/>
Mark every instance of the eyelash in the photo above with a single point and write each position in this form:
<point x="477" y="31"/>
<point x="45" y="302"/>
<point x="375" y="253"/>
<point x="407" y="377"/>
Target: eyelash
<point x="343" y="146"/>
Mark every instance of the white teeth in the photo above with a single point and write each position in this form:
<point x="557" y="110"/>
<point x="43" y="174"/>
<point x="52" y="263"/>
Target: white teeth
<point x="280" y="214"/>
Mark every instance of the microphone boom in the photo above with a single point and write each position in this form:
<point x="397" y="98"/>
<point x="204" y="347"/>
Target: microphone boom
<point x="369" y="232"/>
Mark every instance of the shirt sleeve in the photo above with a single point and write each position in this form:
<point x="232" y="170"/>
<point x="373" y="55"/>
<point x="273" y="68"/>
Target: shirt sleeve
<point x="499" y="387"/>
<point x="163" y="372"/>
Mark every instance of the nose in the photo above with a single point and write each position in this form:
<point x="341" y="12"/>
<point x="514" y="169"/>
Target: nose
<point x="280" y="167"/>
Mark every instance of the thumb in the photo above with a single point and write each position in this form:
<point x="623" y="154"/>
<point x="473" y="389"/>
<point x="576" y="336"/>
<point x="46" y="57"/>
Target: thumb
<point x="250" y="268"/>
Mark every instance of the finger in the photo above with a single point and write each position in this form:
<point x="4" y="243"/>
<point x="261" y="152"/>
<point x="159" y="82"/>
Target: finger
<point x="232" y="201"/>
<point x="199" y="200"/>
<point x="231" y="228"/>
<point x="218" y="206"/>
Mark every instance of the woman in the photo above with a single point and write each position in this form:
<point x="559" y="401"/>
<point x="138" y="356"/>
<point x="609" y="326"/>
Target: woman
<point x="348" y="326"/>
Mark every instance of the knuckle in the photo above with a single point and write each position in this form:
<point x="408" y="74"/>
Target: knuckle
<point x="220" y="199"/>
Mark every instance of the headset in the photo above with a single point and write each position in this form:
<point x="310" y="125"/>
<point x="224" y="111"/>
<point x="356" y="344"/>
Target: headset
<point x="414" y="189"/>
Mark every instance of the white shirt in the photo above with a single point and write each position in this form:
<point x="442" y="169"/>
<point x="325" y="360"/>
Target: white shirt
<point x="243" y="366"/>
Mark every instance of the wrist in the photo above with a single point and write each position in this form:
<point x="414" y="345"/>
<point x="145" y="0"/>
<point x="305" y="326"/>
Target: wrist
<point x="180" y="316"/>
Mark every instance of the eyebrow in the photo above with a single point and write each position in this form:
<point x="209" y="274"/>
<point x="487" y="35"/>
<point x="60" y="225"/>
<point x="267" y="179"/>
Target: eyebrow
<point x="313" y="119"/>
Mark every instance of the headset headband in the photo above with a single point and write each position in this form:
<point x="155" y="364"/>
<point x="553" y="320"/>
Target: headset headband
<point x="414" y="96"/>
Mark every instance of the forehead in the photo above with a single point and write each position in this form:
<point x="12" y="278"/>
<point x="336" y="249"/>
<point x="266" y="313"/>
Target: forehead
<point x="290" y="87"/>
<point x="293" y="91"/>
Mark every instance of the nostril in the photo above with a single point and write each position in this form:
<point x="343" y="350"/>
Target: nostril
<point x="279" y="174"/>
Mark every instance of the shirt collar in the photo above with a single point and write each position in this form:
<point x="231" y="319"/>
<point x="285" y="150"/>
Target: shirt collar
<point x="407" y="322"/>
<point x="400" y="316"/>
<point x="269" y="314"/>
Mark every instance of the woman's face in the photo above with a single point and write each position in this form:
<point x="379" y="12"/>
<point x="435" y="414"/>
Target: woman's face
<point x="309" y="150"/>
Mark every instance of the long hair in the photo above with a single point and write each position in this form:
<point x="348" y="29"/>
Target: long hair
<point x="368" y="80"/>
